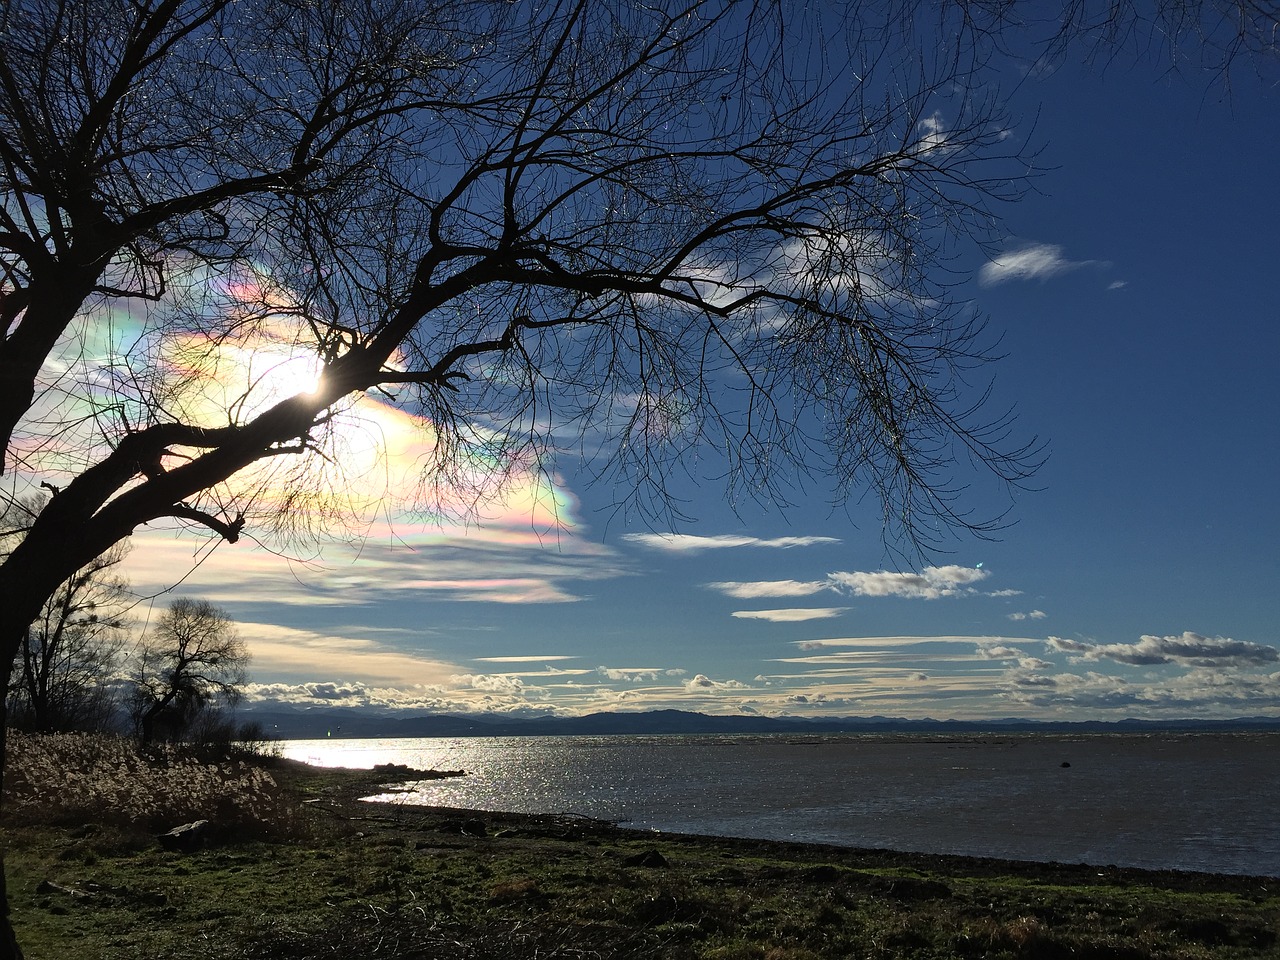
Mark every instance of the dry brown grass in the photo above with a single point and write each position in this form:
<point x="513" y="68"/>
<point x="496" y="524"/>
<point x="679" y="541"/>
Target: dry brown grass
<point x="82" y="777"/>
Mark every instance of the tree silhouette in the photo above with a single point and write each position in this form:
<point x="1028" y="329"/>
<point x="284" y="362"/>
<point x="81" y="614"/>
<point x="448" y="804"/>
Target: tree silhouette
<point x="70" y="653"/>
<point x="663" y="226"/>
<point x="193" y="659"/>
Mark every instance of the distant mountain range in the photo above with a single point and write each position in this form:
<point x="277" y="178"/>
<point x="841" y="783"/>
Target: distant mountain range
<point x="305" y="724"/>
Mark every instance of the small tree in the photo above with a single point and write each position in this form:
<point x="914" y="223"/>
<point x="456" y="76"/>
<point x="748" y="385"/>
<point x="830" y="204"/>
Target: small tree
<point x="72" y="650"/>
<point x="64" y="665"/>
<point x="195" y="659"/>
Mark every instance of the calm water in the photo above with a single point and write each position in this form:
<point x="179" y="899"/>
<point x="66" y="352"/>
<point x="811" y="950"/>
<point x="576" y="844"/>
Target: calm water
<point x="1192" y="802"/>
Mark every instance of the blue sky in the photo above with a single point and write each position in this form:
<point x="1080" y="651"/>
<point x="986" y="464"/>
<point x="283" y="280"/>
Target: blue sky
<point x="1134" y="288"/>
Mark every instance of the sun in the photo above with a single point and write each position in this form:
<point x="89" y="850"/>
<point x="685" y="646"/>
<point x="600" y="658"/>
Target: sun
<point x="216" y="383"/>
<point x="369" y="452"/>
<point x="279" y="373"/>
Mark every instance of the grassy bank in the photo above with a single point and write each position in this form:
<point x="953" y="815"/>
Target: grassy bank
<point x="307" y="871"/>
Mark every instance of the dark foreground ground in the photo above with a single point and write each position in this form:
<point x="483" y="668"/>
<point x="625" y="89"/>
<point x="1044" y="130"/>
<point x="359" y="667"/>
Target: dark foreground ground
<point x="338" y="878"/>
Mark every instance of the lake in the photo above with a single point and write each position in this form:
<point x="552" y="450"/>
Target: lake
<point x="1207" y="802"/>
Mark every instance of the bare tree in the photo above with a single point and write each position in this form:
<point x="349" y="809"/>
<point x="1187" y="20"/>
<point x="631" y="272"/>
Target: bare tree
<point x="1218" y="37"/>
<point x="661" y="225"/>
<point x="193" y="660"/>
<point x="71" y="652"/>
<point x="1214" y="35"/>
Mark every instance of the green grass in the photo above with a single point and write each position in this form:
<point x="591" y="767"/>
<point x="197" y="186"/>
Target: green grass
<point x="350" y="880"/>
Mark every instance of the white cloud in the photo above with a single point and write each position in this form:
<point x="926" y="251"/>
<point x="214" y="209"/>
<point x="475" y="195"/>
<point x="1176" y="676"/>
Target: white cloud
<point x="1200" y="691"/>
<point x="1189" y="649"/>
<point x="496" y="683"/>
<point x="688" y="543"/>
<point x="632" y="674"/>
<point x="1033" y="261"/>
<point x="1033" y="615"/>
<point x="335" y="693"/>
<point x="794" y="615"/>
<point x="770" y="588"/>
<point x="396" y="700"/>
<point x="999" y="651"/>
<point x="930" y="584"/>
<point x="704" y="684"/>
<point x="932" y="133"/>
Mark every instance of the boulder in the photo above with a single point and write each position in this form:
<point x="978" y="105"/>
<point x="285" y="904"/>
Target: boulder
<point x="187" y="838"/>
<point x="650" y="858"/>
<point x="48" y="886"/>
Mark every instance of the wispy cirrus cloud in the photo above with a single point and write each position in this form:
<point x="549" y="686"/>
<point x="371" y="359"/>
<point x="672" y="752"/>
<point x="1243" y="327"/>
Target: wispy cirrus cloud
<point x="281" y="652"/>
<point x="855" y="656"/>
<point x="689" y="543"/>
<point x="547" y="670"/>
<point x="1189" y="649"/>
<point x="791" y="615"/>
<point x="498" y="590"/>
<point x="877" y="643"/>
<point x="1031" y="261"/>
<point x="488" y="566"/>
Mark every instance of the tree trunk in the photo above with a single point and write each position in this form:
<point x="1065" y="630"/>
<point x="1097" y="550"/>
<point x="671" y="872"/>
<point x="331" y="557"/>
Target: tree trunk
<point x="9" y="949"/>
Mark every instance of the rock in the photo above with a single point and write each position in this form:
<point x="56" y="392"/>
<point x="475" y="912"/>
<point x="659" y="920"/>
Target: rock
<point x="650" y="858"/>
<point x="404" y="772"/>
<point x="474" y="827"/>
<point x="657" y="910"/>
<point x="823" y="873"/>
<point x="48" y="886"/>
<point x="187" y="838"/>
<point x="912" y="889"/>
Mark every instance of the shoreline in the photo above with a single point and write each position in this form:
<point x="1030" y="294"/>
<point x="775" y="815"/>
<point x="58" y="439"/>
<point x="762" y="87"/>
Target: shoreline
<point x="1193" y="803"/>
<point x="352" y="783"/>
<point x="332" y="875"/>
